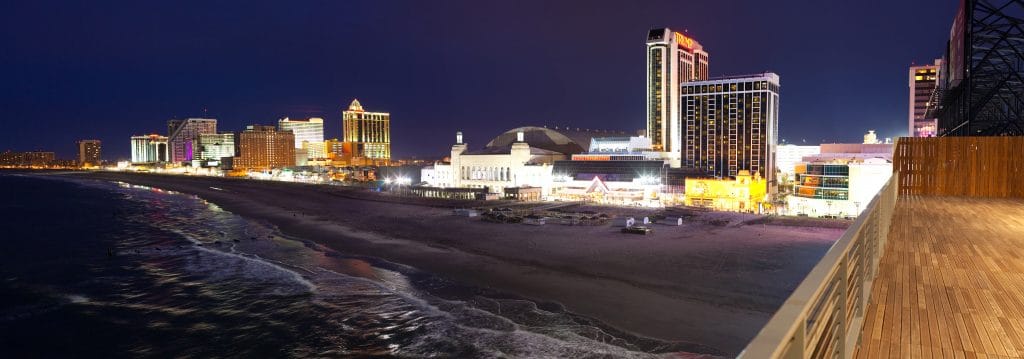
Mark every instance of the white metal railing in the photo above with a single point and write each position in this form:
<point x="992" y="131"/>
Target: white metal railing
<point x="824" y="315"/>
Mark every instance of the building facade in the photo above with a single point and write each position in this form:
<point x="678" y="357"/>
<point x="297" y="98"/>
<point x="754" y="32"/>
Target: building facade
<point x="731" y="125"/>
<point x="787" y="156"/>
<point x="368" y="133"/>
<point x="744" y="193"/>
<point x="923" y="81"/>
<point x="264" y="147"/>
<point x="149" y="149"/>
<point x="309" y="135"/>
<point x="672" y="58"/>
<point x="519" y="158"/>
<point x="182" y="136"/>
<point x="838" y="186"/>
<point x="89" y="153"/>
<point x="27" y="159"/>
<point x="215" y="146"/>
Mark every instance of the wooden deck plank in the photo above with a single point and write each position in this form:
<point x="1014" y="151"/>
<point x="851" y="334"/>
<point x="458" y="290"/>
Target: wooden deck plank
<point x="951" y="281"/>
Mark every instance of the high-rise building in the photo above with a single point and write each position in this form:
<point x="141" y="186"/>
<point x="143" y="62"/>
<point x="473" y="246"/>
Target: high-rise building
<point x="309" y="134"/>
<point x="149" y="149"/>
<point x="672" y="58"/>
<point x="215" y="146"/>
<point x="264" y="147"/>
<point x="923" y="81"/>
<point x="89" y="153"/>
<point x="730" y="125"/>
<point x="369" y="134"/>
<point x="182" y="136"/>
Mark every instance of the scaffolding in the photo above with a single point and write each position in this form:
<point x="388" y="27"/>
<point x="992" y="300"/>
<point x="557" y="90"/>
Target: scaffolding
<point x="981" y="90"/>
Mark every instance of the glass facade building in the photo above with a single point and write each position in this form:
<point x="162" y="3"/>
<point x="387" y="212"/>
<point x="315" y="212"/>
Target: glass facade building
<point x="823" y="181"/>
<point x="309" y="134"/>
<point x="216" y="146"/>
<point x="730" y="125"/>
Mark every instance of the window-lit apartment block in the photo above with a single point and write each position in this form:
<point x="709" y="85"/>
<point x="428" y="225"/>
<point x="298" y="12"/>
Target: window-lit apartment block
<point x="89" y="153"/>
<point x="730" y="124"/>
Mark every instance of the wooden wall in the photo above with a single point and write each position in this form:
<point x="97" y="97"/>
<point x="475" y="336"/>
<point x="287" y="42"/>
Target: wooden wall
<point x="960" y="166"/>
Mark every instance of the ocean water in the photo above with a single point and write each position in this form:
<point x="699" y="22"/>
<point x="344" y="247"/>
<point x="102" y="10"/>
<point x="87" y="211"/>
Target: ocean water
<point x="101" y="269"/>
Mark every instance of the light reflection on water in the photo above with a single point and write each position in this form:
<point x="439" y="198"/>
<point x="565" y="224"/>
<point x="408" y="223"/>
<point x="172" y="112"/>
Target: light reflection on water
<point x="207" y="273"/>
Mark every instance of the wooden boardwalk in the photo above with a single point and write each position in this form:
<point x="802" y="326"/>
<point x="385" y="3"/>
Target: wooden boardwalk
<point x="951" y="281"/>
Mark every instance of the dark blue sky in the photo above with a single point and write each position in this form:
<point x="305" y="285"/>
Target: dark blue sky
<point x="110" y="69"/>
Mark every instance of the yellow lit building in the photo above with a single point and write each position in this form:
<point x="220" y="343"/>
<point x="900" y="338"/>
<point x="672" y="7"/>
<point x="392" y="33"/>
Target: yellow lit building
<point x="746" y="193"/>
<point x="367" y="135"/>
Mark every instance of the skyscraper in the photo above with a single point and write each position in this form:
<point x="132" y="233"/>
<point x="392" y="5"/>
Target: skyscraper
<point x="149" y="149"/>
<point x="672" y="59"/>
<point x="923" y="81"/>
<point x="309" y="134"/>
<point x="731" y="125"/>
<point x="264" y="147"/>
<point x="89" y="153"/>
<point x="368" y="133"/>
<point x="182" y="136"/>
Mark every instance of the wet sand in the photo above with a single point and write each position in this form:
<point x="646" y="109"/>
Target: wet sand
<point x="704" y="284"/>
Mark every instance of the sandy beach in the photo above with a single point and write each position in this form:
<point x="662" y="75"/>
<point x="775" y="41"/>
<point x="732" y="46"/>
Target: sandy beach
<point x="710" y="285"/>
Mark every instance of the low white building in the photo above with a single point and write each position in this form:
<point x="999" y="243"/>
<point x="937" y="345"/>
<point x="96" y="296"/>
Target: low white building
<point x="787" y="156"/>
<point x="521" y="157"/>
<point x="838" y="186"/>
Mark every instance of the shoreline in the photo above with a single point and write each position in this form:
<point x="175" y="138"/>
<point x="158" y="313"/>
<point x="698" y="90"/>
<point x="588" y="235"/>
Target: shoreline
<point x="613" y="279"/>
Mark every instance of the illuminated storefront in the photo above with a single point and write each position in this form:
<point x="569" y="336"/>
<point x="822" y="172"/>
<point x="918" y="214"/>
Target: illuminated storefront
<point x="746" y="193"/>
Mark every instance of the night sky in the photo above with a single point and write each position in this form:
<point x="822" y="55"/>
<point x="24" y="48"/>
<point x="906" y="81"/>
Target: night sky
<point x="111" y="69"/>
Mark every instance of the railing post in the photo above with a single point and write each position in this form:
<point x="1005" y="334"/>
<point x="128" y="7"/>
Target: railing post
<point x="844" y="269"/>
<point x="797" y="345"/>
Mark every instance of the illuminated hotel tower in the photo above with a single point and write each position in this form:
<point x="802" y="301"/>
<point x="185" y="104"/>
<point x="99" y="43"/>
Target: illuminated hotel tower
<point x="732" y="125"/>
<point x="923" y="81"/>
<point x="368" y="133"/>
<point x="672" y="58"/>
<point x="182" y="136"/>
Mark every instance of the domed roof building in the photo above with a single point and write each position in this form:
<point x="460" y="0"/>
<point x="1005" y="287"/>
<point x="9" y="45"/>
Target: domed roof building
<point x="521" y="157"/>
<point x="538" y="137"/>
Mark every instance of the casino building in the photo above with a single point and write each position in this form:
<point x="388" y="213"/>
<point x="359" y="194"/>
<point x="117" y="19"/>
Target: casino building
<point x="182" y="136"/>
<point x="149" y="149"/>
<point x="518" y="158"/>
<point x="731" y="125"/>
<point x="367" y="135"/>
<point x="672" y="59"/>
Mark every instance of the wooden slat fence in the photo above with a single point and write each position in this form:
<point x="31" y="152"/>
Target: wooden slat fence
<point x="960" y="166"/>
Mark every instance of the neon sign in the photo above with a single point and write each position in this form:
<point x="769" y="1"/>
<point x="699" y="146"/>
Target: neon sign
<point x="684" y="41"/>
